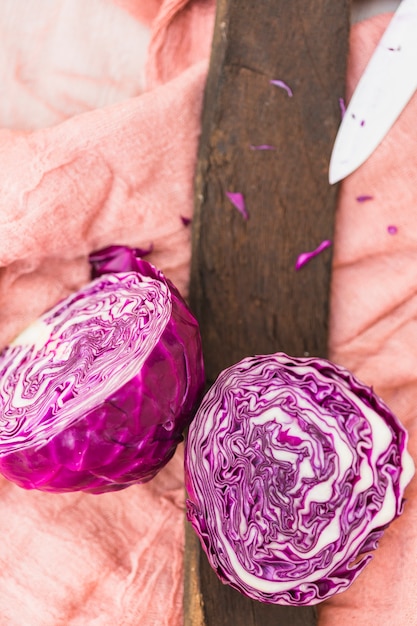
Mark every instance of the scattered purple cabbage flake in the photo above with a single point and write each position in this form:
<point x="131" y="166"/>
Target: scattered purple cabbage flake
<point x="185" y="220"/>
<point x="238" y="201"/>
<point x="364" y="198"/>
<point x="282" y="85"/>
<point x="262" y="146"/>
<point x="305" y="257"/>
<point x="342" y="107"/>
<point x="361" y="123"/>
<point x="392" y="229"/>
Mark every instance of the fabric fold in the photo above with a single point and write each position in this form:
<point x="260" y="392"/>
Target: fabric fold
<point x="122" y="174"/>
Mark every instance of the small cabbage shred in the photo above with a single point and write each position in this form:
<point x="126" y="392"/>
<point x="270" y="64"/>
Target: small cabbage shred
<point x="96" y="393"/>
<point x="293" y="470"/>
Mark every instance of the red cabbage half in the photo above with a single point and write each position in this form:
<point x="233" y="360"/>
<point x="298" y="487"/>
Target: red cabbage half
<point x="95" y="395"/>
<point x="293" y="470"/>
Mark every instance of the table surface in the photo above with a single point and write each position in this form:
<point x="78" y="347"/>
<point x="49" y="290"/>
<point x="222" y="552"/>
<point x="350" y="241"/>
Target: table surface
<point x="244" y="290"/>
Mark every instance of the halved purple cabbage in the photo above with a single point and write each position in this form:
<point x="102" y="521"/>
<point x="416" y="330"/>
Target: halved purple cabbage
<point x="293" y="470"/>
<point x="95" y="395"/>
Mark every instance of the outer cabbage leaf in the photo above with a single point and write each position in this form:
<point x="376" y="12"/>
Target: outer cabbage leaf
<point x="293" y="469"/>
<point x="96" y="394"/>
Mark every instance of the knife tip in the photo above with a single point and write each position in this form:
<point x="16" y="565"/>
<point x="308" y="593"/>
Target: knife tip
<point x="333" y="180"/>
<point x="334" y="176"/>
<point x="341" y="168"/>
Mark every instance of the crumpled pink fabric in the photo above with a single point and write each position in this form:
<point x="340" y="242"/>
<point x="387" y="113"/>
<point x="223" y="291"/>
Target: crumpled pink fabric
<point x="94" y="150"/>
<point x="120" y="173"/>
<point x="374" y="332"/>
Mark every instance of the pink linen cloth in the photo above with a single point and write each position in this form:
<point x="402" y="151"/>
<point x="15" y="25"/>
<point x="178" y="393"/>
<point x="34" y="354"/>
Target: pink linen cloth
<point x="374" y="332"/>
<point x="94" y="151"/>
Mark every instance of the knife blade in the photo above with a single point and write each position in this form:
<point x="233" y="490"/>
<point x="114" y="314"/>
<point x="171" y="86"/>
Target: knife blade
<point x="386" y="86"/>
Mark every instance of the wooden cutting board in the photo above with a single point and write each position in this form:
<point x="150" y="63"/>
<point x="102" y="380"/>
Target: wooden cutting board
<point x="245" y="290"/>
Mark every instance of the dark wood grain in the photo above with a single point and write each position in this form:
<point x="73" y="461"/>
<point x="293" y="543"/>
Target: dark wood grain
<point x="244" y="288"/>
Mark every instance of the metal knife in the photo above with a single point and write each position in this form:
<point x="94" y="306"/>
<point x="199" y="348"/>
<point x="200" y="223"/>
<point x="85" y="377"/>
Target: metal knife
<point x="386" y="86"/>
